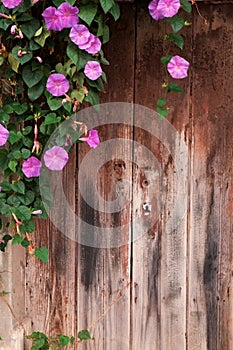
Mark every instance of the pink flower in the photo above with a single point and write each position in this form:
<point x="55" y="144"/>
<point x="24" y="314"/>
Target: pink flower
<point x="93" y="70"/>
<point x="13" y="29"/>
<point x="21" y="53"/>
<point x="39" y="59"/>
<point x="79" y="34"/>
<point x="178" y="67"/>
<point x="4" y="15"/>
<point x="168" y="8"/>
<point x="4" y="134"/>
<point x="67" y="15"/>
<point x="153" y="10"/>
<point x="93" y="138"/>
<point x="56" y="158"/>
<point x="51" y="18"/>
<point x="94" y="45"/>
<point x="37" y="212"/>
<point x="31" y="167"/>
<point x="57" y="84"/>
<point x="11" y="4"/>
<point x="0" y="188"/>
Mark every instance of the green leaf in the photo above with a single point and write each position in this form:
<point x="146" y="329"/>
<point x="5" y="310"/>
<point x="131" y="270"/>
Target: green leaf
<point x="51" y="118"/>
<point x="6" y="210"/>
<point x="5" y="23"/>
<point x="19" y="108"/>
<point x="22" y="212"/>
<point x="13" y="200"/>
<point x="14" y="63"/>
<point x="26" y="130"/>
<point x="84" y="335"/>
<point x="16" y="154"/>
<point x="3" y="158"/>
<point x="24" y="58"/>
<point x="78" y="95"/>
<point x="30" y="28"/>
<point x="42" y="254"/>
<point x="54" y="103"/>
<point x="92" y="97"/>
<point x="72" y="52"/>
<point x="4" y="117"/>
<point x="33" y="46"/>
<point x="27" y="226"/>
<point x="32" y="74"/>
<point x="38" y="343"/>
<point x="41" y="36"/>
<point x="105" y="34"/>
<point x="174" y="87"/>
<point x="8" y="109"/>
<point x="166" y="59"/>
<point x="64" y="339"/>
<point x="161" y="109"/>
<point x="18" y="187"/>
<point x="88" y="12"/>
<point x="14" y="137"/>
<point x="186" y="6"/>
<point x="25" y="153"/>
<point x="12" y="165"/>
<point x="177" y="22"/>
<point x="36" y="91"/>
<point x="162" y="112"/>
<point x="161" y="102"/>
<point x="177" y="40"/>
<point x="107" y="5"/>
<point x="115" y="11"/>
<point x="17" y="239"/>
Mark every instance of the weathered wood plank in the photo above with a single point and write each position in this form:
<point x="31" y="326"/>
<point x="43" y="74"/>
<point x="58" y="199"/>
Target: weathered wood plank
<point x="210" y="280"/>
<point x="159" y="257"/>
<point x="104" y="273"/>
<point x="51" y="288"/>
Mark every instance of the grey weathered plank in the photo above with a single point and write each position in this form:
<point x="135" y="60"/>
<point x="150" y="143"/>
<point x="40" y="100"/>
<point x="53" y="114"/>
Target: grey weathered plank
<point x="104" y="273"/>
<point x="159" y="257"/>
<point x="210" y="281"/>
<point x="51" y="287"/>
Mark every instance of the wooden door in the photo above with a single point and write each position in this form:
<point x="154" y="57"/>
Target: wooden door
<point x="162" y="289"/>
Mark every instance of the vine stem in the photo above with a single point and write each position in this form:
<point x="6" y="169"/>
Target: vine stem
<point x="20" y="323"/>
<point x="198" y="11"/>
<point x="117" y="298"/>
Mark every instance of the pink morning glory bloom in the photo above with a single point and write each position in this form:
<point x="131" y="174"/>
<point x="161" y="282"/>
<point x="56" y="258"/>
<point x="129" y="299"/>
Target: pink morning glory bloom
<point x="4" y="134"/>
<point x="31" y="167"/>
<point x="67" y="15"/>
<point x="94" y="45"/>
<point x="93" y="70"/>
<point x="37" y="212"/>
<point x="153" y="10"/>
<point x="168" y="8"/>
<point x="55" y="158"/>
<point x="57" y="84"/>
<point x="178" y="67"/>
<point x="11" y="4"/>
<point x="92" y="139"/>
<point x="79" y="34"/>
<point x="52" y="19"/>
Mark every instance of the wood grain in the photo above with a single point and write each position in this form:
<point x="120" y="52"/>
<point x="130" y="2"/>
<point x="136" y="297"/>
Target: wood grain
<point x="104" y="273"/>
<point x="210" y="281"/>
